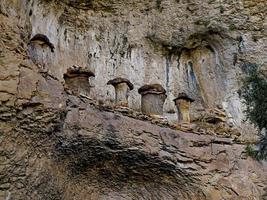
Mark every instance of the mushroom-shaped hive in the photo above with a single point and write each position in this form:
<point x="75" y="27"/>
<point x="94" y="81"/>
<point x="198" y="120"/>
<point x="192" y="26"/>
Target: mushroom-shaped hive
<point x="117" y="81"/>
<point x="77" y="80"/>
<point x="40" y="37"/>
<point x="44" y="39"/>
<point x="153" y="88"/>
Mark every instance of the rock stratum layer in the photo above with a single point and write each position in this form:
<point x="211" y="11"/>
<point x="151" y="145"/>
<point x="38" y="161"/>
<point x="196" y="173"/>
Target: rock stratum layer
<point x="58" y="146"/>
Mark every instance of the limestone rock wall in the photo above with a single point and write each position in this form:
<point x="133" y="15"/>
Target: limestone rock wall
<point x="194" y="46"/>
<point x="56" y="146"/>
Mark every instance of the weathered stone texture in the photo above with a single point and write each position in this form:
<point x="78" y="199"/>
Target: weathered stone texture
<point x="86" y="153"/>
<point x="57" y="146"/>
<point x="147" y="41"/>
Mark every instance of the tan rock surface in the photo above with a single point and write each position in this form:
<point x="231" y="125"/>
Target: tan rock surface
<point x="57" y="146"/>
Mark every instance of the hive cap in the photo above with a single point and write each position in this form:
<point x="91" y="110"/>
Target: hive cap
<point x="119" y="80"/>
<point x="152" y="88"/>
<point x="184" y="96"/>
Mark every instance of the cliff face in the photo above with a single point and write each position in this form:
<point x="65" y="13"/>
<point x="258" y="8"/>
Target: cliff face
<point x="58" y="146"/>
<point x="193" y="46"/>
<point x="88" y="153"/>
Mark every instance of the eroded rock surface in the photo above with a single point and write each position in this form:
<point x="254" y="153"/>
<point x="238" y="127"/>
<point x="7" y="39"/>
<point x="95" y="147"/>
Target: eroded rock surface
<point x="83" y="152"/>
<point x="54" y="145"/>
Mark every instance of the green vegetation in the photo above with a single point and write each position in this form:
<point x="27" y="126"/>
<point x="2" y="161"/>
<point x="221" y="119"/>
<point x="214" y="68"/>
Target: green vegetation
<point x="158" y="2"/>
<point x="221" y="9"/>
<point x="250" y="151"/>
<point x="232" y="27"/>
<point x="254" y="94"/>
<point x="98" y="38"/>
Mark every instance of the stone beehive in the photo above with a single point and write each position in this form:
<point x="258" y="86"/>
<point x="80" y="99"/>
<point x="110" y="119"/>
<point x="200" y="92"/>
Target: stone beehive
<point x="182" y="103"/>
<point x="77" y="80"/>
<point x="122" y="87"/>
<point x="153" y="98"/>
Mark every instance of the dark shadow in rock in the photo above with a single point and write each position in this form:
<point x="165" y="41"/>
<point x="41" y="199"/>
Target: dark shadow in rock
<point x="113" y="165"/>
